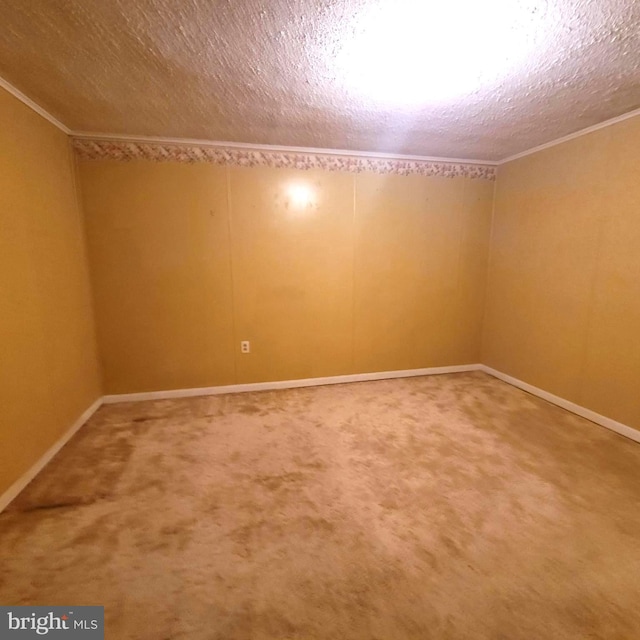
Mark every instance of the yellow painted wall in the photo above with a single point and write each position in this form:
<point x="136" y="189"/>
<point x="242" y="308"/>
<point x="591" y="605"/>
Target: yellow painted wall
<point x="420" y="268"/>
<point x="48" y="365"/>
<point x="376" y="272"/>
<point x="158" y="237"/>
<point x="563" y="302"/>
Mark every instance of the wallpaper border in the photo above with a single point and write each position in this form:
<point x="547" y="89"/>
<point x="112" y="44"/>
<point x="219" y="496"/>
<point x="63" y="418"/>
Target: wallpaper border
<point x="88" y="149"/>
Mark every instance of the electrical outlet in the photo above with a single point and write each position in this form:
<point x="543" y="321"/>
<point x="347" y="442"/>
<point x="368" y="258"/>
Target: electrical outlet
<point x="245" y="347"/>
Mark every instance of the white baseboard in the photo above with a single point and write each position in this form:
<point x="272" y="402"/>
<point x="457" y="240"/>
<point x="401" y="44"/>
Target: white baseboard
<point x="24" y="480"/>
<point x="35" y="469"/>
<point x="285" y="384"/>
<point x="603" y="421"/>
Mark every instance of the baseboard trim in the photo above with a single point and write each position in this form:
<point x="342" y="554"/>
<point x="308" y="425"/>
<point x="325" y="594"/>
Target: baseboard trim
<point x="35" y="469"/>
<point x="583" y="412"/>
<point x="285" y="384"/>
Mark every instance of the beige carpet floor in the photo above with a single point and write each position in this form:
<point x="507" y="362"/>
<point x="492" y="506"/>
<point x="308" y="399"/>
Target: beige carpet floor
<point x="446" y="507"/>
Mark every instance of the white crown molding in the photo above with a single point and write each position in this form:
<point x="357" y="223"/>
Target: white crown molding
<point x="16" y="93"/>
<point x="266" y="148"/>
<point x="286" y="384"/>
<point x="214" y="144"/>
<point x="583" y="412"/>
<point x="41" y="463"/>
<point x="239" y="146"/>
<point x="572" y="136"/>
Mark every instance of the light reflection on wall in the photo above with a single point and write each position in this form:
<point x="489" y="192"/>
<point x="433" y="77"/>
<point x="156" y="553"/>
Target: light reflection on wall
<point x="301" y="196"/>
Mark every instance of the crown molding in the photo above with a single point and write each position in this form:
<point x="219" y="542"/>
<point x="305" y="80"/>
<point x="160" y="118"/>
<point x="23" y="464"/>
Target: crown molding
<point x="572" y="136"/>
<point x="16" y="93"/>
<point x="301" y="151"/>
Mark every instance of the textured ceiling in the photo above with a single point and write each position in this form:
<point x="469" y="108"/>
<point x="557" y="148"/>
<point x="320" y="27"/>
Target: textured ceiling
<point x="273" y="72"/>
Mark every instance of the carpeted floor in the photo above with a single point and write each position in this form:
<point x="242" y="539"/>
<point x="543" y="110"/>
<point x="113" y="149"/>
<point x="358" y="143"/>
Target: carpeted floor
<point x="446" y="507"/>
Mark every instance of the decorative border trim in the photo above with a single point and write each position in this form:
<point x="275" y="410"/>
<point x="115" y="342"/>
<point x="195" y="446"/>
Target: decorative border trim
<point x="127" y="150"/>
<point x="277" y="148"/>
<point x="7" y="497"/>
<point x="286" y="384"/>
<point x="583" y="412"/>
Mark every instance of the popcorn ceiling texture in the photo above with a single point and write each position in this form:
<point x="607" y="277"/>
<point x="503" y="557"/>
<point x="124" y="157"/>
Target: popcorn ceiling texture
<point x="114" y="150"/>
<point x="262" y="73"/>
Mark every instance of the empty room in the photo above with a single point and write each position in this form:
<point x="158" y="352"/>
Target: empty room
<point x="320" y="319"/>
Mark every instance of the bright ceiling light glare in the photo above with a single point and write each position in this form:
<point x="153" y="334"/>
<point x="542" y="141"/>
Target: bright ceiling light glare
<point x="301" y="196"/>
<point x="413" y="52"/>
